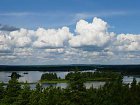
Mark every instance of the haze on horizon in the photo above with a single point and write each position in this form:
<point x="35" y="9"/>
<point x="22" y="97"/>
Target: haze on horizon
<point x="51" y="32"/>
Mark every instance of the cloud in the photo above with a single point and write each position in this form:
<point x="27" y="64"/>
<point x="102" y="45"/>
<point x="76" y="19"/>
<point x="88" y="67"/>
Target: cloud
<point x="90" y="43"/>
<point x="23" y="52"/>
<point x="100" y="14"/>
<point x="56" y="50"/>
<point x="5" y="49"/>
<point x="91" y="34"/>
<point x="7" y="28"/>
<point x="16" y="14"/>
<point x="52" y="38"/>
<point x="21" y="38"/>
<point x="79" y="15"/>
<point x="127" y="42"/>
<point x="5" y="43"/>
<point x="53" y="19"/>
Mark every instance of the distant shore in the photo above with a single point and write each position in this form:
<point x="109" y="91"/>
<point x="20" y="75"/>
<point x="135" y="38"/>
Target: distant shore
<point x="125" y="69"/>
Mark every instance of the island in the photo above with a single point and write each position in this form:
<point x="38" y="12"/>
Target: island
<point x="86" y="76"/>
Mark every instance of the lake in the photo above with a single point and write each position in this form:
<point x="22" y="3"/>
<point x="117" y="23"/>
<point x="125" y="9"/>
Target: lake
<point x="34" y="77"/>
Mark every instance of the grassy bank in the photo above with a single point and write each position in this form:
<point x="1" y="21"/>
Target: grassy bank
<point x="66" y="81"/>
<point x="54" y="81"/>
<point x="99" y="79"/>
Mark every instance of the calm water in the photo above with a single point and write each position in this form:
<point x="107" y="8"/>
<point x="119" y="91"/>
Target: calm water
<point x="34" y="76"/>
<point x="31" y="77"/>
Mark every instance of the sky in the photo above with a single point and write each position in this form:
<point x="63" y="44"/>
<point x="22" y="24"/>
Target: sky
<point x="51" y="32"/>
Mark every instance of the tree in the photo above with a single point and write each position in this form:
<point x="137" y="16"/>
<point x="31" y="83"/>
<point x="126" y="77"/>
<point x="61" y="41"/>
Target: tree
<point x="76" y="82"/>
<point x="134" y="83"/>
<point x="38" y="87"/>
<point x="12" y="91"/>
<point x="2" y="90"/>
<point x="15" y="75"/>
<point x="22" y="98"/>
<point x="35" y="95"/>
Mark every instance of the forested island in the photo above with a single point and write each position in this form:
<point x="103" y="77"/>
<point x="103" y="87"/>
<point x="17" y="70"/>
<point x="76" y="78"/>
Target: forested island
<point x="86" y="76"/>
<point x="114" y="92"/>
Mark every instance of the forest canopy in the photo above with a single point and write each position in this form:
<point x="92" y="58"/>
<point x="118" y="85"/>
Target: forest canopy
<point x="112" y="93"/>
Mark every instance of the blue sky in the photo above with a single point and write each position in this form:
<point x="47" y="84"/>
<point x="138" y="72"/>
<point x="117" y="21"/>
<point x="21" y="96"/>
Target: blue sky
<point x="94" y="31"/>
<point x="122" y="15"/>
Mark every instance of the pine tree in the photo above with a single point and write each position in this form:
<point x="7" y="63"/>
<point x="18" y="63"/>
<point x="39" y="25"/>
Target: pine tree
<point x="12" y="91"/>
<point x="23" y="98"/>
<point x="2" y="90"/>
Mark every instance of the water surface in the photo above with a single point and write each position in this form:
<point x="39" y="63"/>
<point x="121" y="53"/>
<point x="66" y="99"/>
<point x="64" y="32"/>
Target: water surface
<point x="34" y="77"/>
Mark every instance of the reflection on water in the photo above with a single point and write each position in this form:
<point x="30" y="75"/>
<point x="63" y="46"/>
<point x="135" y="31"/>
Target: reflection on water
<point x="94" y="84"/>
<point x="129" y="79"/>
<point x="62" y="85"/>
<point x="34" y="76"/>
<point x="44" y="85"/>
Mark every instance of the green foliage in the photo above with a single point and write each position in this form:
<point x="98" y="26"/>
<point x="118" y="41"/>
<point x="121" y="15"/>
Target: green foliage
<point x="38" y="87"/>
<point x="112" y="93"/>
<point x="134" y="83"/>
<point x="12" y="91"/>
<point x="76" y="81"/>
<point x="23" y="97"/>
<point x="15" y="75"/>
<point x="2" y="90"/>
<point x="95" y="75"/>
<point x="49" y="76"/>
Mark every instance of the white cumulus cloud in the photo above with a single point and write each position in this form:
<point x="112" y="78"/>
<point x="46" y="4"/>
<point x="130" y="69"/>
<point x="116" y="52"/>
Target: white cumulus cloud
<point x="52" y="38"/>
<point x="91" y="34"/>
<point x="127" y="42"/>
<point x="22" y="37"/>
<point x="90" y="43"/>
<point x="5" y="43"/>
